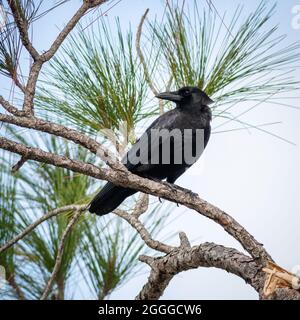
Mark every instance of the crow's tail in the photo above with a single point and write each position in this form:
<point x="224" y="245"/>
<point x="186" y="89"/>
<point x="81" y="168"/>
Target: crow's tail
<point x="109" y="198"/>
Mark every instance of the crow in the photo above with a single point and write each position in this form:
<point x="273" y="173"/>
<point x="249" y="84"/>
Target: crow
<point x="146" y="158"/>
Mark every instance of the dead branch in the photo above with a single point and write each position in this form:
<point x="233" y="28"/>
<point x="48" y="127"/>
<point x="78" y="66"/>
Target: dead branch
<point x="10" y="108"/>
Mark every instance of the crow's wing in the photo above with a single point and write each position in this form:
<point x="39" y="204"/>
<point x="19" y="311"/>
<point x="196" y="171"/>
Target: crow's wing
<point x="169" y="120"/>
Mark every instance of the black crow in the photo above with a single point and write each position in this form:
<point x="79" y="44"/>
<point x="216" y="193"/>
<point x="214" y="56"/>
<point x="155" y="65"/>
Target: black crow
<point x="147" y="158"/>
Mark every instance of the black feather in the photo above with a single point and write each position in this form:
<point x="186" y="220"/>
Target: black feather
<point x="191" y="112"/>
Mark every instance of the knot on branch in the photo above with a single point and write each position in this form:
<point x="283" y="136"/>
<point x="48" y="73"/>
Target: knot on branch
<point x="148" y="260"/>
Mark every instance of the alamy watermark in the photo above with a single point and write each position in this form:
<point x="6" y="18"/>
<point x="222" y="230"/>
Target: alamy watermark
<point x="157" y="146"/>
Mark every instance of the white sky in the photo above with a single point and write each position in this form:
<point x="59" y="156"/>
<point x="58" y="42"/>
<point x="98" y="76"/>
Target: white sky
<point x="252" y="176"/>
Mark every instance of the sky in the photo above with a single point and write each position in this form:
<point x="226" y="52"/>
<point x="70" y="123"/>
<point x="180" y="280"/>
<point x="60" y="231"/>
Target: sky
<point x="252" y="176"/>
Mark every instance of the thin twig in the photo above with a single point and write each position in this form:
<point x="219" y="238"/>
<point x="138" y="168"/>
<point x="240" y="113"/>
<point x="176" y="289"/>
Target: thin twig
<point x="59" y="254"/>
<point x="10" y="108"/>
<point x="143" y="232"/>
<point x="40" y="59"/>
<point x="102" y="14"/>
<point x="19" y="84"/>
<point x="141" y="205"/>
<point x="45" y="217"/>
<point x="69" y="27"/>
<point x="18" y="165"/>
<point x="22" y="26"/>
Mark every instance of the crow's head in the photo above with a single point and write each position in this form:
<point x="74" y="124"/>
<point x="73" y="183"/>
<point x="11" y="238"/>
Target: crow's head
<point x="186" y="96"/>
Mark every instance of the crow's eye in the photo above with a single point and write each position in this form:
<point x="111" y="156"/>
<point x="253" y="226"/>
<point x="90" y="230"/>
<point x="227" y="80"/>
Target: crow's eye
<point x="185" y="92"/>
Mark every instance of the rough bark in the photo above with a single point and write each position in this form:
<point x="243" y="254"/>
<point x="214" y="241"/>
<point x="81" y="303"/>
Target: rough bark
<point x="208" y="255"/>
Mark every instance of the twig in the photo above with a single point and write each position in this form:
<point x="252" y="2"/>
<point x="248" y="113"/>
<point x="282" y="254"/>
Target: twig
<point x="40" y="59"/>
<point x="69" y="27"/>
<point x="22" y="26"/>
<point x="59" y="254"/>
<point x="101" y="15"/>
<point x="45" y="217"/>
<point x="145" y="235"/>
<point x="184" y="241"/>
<point x="141" y="205"/>
<point x="18" y="165"/>
<point x="10" y="108"/>
<point x="19" y="84"/>
<point x="12" y="282"/>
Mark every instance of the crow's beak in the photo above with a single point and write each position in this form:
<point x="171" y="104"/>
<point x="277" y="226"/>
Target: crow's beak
<point x="172" y="96"/>
<point x="209" y="101"/>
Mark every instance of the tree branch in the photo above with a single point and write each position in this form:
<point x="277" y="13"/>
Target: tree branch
<point x="145" y="235"/>
<point x="10" y="108"/>
<point x="59" y="254"/>
<point x="40" y="59"/>
<point x="161" y="189"/>
<point x="18" y="83"/>
<point x="18" y="165"/>
<point x="141" y="205"/>
<point x="22" y="26"/>
<point x="12" y="282"/>
<point x="60" y="131"/>
<point x="69" y="27"/>
<point x="35" y="224"/>
<point x="163" y="269"/>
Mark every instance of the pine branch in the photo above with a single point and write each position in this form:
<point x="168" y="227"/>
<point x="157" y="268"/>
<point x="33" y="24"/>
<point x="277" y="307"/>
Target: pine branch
<point x="36" y="223"/>
<point x="163" y="190"/>
<point x="58" y="260"/>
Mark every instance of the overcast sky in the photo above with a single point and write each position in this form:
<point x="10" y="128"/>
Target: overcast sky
<point x="251" y="175"/>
